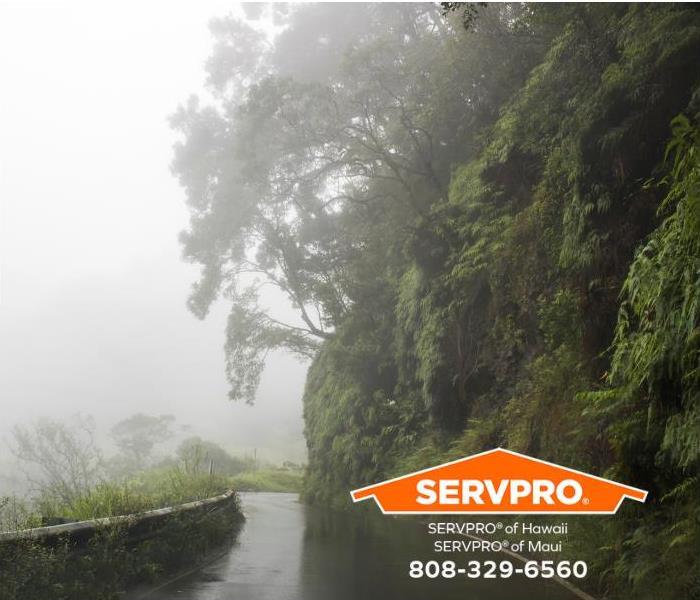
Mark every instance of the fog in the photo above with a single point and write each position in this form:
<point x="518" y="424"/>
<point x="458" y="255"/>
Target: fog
<point x="93" y="317"/>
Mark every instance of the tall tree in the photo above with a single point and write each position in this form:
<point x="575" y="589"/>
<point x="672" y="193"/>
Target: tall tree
<point x="63" y="459"/>
<point x="137" y="435"/>
<point x="295" y="181"/>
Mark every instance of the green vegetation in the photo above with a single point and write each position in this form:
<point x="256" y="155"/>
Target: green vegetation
<point x="267" y="480"/>
<point x="148" y="490"/>
<point x="119" y="556"/>
<point x="491" y="237"/>
<point x="74" y="484"/>
<point x="115" y="557"/>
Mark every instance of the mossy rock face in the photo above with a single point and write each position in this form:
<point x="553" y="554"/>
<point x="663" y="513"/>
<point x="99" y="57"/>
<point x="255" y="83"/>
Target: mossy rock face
<point x="550" y="303"/>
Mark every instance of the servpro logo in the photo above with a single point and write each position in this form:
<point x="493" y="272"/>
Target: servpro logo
<point x="498" y="482"/>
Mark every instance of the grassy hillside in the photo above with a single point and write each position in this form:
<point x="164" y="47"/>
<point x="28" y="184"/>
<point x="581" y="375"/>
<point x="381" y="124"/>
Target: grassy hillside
<point x="267" y="480"/>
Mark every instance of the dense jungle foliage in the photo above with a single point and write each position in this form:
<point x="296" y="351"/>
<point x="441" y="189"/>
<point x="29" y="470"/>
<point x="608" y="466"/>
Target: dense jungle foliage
<point x="491" y="235"/>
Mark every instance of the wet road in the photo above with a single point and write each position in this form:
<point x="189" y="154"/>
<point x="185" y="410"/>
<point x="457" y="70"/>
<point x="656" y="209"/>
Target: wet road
<point x="287" y="551"/>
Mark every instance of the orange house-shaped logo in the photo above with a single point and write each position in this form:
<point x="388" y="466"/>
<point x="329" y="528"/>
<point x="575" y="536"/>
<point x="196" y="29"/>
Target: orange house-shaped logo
<point x="498" y="482"/>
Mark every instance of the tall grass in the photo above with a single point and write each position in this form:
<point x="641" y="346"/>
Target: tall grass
<point x="156" y="488"/>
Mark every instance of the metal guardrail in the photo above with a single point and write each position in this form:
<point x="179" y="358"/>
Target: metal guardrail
<point x="84" y="529"/>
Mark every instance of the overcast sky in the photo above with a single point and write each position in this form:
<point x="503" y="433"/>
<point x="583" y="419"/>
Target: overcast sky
<point x="92" y="306"/>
